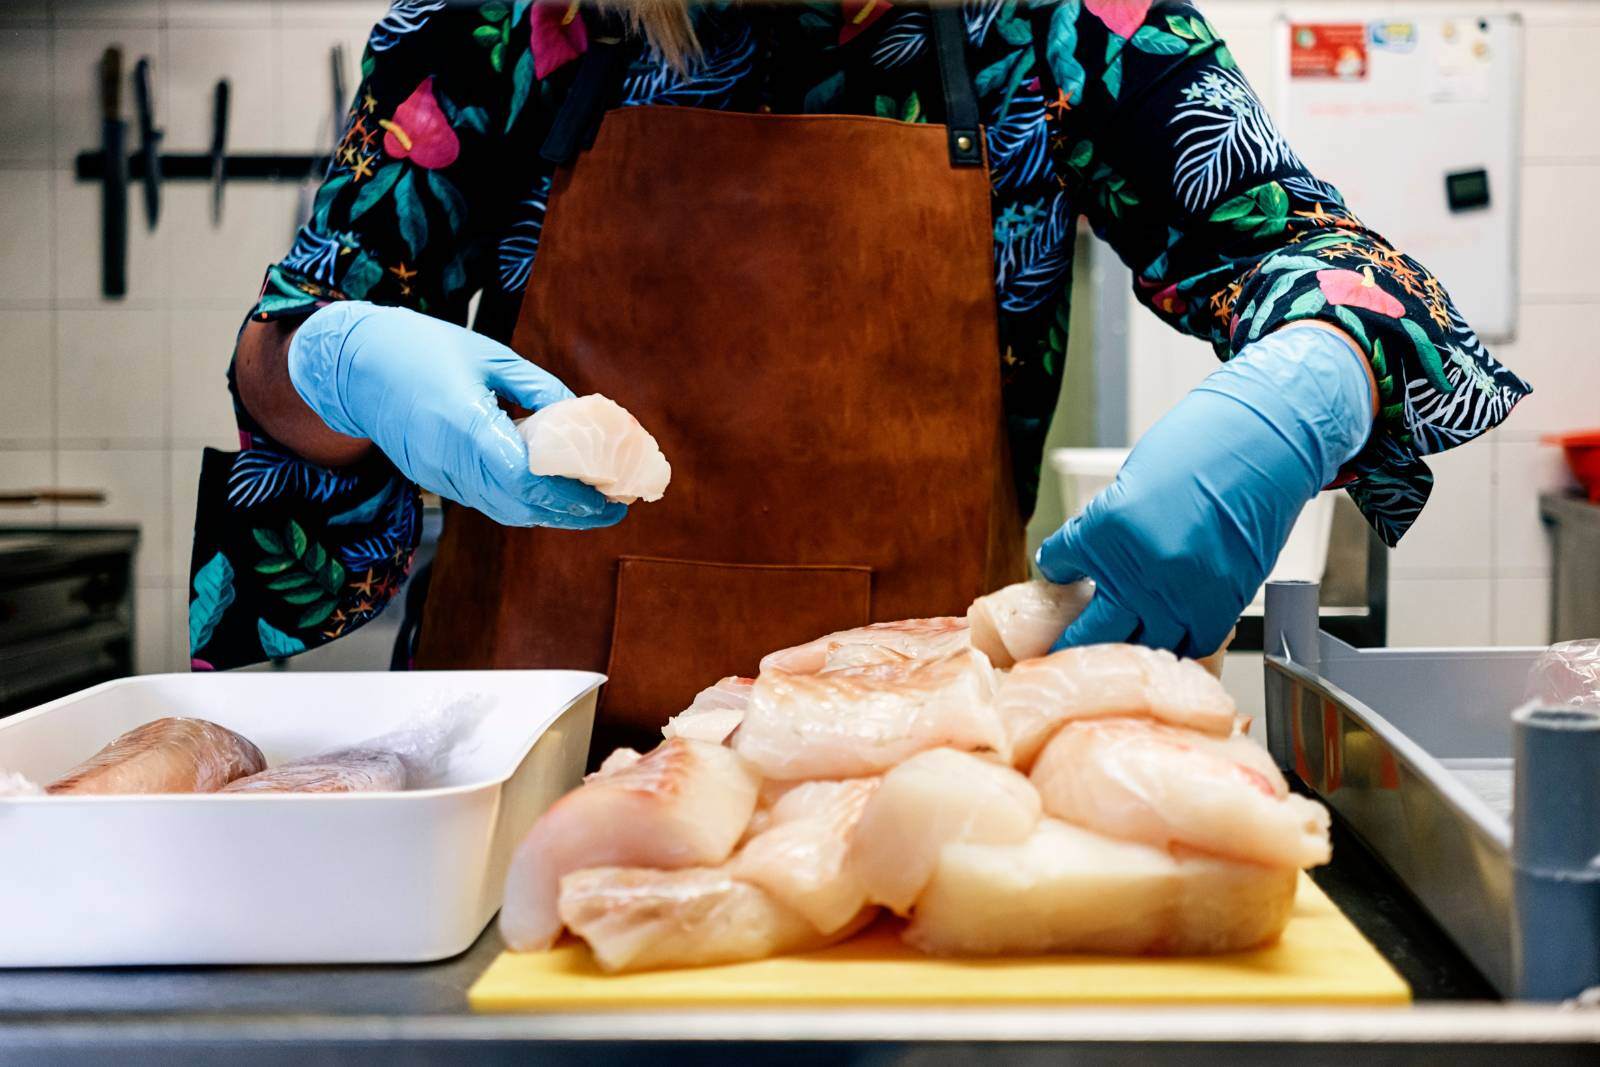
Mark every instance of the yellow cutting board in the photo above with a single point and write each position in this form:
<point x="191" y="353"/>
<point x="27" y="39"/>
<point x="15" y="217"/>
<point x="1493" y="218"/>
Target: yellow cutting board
<point x="1320" y="959"/>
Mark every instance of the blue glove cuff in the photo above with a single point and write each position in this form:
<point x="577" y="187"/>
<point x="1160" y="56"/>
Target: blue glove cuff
<point x="318" y="368"/>
<point x="1309" y="378"/>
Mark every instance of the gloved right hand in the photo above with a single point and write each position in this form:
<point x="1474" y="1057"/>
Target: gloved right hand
<point x="423" y="391"/>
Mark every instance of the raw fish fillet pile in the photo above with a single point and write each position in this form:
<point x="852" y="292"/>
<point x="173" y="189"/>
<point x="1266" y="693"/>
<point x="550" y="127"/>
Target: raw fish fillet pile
<point x="595" y="440"/>
<point x="998" y="798"/>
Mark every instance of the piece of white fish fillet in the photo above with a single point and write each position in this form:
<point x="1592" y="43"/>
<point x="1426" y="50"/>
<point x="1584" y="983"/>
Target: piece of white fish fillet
<point x="684" y="804"/>
<point x="715" y="712"/>
<point x="878" y="643"/>
<point x="1095" y="681"/>
<point x="858" y="721"/>
<point x="1023" y="620"/>
<point x="597" y="441"/>
<point x="929" y="801"/>
<point x="1067" y="889"/>
<point x="800" y="856"/>
<point x="638" y="919"/>
<point x="1143" y="781"/>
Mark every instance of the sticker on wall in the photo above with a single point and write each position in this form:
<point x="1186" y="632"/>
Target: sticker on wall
<point x="1460" y="68"/>
<point x="1398" y="37"/>
<point x="1336" y="50"/>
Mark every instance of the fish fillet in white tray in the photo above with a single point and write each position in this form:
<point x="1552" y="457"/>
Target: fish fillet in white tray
<point x="280" y="878"/>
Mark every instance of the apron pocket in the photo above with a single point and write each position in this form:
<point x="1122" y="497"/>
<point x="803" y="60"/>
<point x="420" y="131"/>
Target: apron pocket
<point x="682" y="624"/>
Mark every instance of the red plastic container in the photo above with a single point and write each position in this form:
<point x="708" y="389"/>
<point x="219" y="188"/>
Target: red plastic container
<point x="1582" y="449"/>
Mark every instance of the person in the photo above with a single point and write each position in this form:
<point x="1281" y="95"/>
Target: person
<point x="823" y="253"/>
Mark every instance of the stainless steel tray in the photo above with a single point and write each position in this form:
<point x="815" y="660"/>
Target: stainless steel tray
<point x="1413" y="748"/>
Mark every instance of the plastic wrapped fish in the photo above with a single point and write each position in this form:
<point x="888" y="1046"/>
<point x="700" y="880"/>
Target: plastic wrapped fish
<point x="164" y="756"/>
<point x="408" y="758"/>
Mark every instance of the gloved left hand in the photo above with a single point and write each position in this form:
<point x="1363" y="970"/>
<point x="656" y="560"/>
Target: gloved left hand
<point x="1179" y="543"/>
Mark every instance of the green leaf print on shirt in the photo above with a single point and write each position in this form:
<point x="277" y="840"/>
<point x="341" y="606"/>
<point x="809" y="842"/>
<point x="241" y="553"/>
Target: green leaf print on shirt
<point x="213" y="592"/>
<point x="1263" y="210"/>
<point x="305" y="574"/>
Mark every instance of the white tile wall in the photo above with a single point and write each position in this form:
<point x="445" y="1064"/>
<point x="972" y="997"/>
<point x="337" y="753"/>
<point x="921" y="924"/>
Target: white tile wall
<point x="152" y="608"/>
<point x="26" y="135"/>
<point x="1524" y="469"/>
<point x="1552" y="126"/>
<point x="183" y="13"/>
<point x="25" y="248"/>
<point x="1428" y="612"/>
<point x="1521" y="611"/>
<point x="1475" y="568"/>
<point x="183" y="481"/>
<point x="1557" y="349"/>
<point x="197" y="382"/>
<point x="1452" y="538"/>
<point x="245" y="53"/>
<point x="27" y="401"/>
<point x="26" y="11"/>
<point x="135" y="483"/>
<point x="117" y="13"/>
<point x="1558" y="238"/>
<point x="109" y="389"/>
<point x="306" y="104"/>
<point x="21" y="470"/>
<point x="212" y="264"/>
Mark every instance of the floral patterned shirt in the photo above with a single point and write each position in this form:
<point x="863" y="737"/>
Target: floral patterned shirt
<point x="1128" y="113"/>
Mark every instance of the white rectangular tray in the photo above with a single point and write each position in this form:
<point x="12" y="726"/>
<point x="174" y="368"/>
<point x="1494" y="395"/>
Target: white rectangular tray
<point x="285" y="878"/>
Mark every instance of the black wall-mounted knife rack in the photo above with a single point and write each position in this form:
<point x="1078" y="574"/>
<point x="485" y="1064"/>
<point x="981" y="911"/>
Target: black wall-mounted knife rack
<point x="91" y="166"/>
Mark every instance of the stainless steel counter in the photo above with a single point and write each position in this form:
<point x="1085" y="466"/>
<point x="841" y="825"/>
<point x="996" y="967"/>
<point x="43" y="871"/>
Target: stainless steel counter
<point x="418" y="1015"/>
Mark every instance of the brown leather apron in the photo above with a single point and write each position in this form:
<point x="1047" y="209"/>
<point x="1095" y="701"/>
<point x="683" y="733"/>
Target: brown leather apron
<point x="801" y="310"/>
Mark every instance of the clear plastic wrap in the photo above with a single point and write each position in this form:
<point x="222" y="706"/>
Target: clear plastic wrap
<point x="1567" y="674"/>
<point x="164" y="756"/>
<point x="15" y="785"/>
<point x="412" y="757"/>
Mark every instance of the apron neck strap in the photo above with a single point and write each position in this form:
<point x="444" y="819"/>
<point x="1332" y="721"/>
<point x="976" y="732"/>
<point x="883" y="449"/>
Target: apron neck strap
<point x="578" y="119"/>
<point x="960" y="103"/>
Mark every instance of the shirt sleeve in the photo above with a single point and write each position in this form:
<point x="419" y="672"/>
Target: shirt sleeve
<point x="423" y="204"/>
<point x="1172" y="157"/>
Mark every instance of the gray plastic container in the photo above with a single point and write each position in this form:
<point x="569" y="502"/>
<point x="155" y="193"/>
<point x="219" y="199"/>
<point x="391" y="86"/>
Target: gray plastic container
<point x="1416" y="752"/>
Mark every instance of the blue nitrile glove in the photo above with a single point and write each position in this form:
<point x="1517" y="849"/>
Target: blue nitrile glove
<point x="423" y="390"/>
<point x="1179" y="543"/>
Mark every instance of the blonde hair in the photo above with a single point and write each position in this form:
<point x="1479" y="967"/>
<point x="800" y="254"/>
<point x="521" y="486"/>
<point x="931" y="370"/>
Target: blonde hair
<point x="665" y="26"/>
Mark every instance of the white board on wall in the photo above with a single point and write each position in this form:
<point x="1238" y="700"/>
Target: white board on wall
<point x="1412" y="117"/>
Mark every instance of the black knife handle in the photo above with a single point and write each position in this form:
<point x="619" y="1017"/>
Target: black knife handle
<point x="111" y="84"/>
<point x="114" y="213"/>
